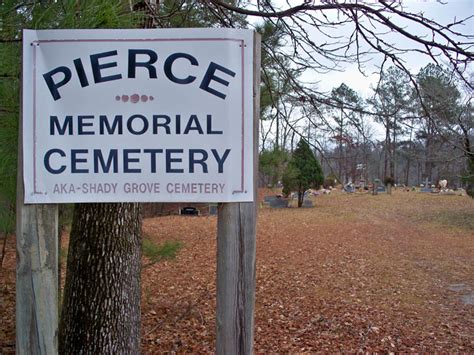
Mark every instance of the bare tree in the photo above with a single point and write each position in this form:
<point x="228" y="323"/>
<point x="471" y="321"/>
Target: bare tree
<point x="322" y="37"/>
<point x="369" y="24"/>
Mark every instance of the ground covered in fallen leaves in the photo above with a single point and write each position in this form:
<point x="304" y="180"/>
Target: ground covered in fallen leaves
<point x="354" y="272"/>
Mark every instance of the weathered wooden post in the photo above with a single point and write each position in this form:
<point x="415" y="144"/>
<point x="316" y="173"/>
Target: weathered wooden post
<point x="236" y="246"/>
<point x="36" y="272"/>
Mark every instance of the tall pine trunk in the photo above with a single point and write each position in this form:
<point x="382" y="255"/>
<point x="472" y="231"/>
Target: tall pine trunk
<point x="101" y="305"/>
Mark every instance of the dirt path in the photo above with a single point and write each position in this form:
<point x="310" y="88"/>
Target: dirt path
<point x="356" y="272"/>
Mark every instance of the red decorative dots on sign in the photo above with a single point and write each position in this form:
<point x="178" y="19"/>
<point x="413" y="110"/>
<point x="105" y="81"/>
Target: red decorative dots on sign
<point x="134" y="98"/>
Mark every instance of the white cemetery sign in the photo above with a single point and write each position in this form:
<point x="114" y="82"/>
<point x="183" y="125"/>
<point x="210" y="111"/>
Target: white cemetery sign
<point x="138" y="115"/>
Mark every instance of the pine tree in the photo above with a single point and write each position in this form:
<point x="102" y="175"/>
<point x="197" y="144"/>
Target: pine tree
<point x="101" y="304"/>
<point x="101" y="308"/>
<point x="438" y="107"/>
<point x="392" y="103"/>
<point x="107" y="289"/>
<point x="343" y="110"/>
<point x="303" y="171"/>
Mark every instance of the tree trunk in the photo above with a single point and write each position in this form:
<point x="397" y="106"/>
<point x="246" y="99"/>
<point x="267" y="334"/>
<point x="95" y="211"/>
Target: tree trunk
<point x="407" y="175"/>
<point x="393" y="154"/>
<point x="292" y="141"/>
<point x="409" y="157"/>
<point x="101" y="307"/>
<point x="429" y="155"/>
<point x="277" y="136"/>
<point x="300" y="198"/>
<point x="388" y="151"/>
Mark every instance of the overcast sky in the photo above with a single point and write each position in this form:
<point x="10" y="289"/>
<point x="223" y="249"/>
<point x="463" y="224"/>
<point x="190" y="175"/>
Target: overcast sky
<point x="441" y="13"/>
<point x="454" y="9"/>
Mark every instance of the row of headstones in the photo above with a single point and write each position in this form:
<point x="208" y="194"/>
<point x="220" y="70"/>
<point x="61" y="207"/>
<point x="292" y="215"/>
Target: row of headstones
<point x="275" y="201"/>
<point x="279" y="202"/>
<point x="351" y="189"/>
<point x="272" y="201"/>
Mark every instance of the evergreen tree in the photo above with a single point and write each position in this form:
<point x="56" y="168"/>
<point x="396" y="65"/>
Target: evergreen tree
<point x="439" y="108"/>
<point x="392" y="102"/>
<point x="192" y="13"/>
<point x="271" y="165"/>
<point x="303" y="171"/>
<point x="102" y="298"/>
<point x="345" y="103"/>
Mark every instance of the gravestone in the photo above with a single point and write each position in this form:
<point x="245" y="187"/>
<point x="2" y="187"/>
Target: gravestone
<point x="375" y="187"/>
<point x="349" y="188"/>
<point x="426" y="186"/>
<point x="279" y="203"/>
<point x="268" y="199"/>
<point x="213" y="209"/>
<point x="307" y="203"/>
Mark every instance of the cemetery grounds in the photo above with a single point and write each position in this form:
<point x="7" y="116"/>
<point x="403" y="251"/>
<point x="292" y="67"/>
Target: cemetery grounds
<point x="356" y="272"/>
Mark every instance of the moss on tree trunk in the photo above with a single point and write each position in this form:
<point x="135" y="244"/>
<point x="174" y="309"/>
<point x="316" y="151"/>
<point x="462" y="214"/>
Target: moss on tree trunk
<point x="101" y="305"/>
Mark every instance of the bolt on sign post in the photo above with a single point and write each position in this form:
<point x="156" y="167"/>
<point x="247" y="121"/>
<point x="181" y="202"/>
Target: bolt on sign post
<point x="153" y="115"/>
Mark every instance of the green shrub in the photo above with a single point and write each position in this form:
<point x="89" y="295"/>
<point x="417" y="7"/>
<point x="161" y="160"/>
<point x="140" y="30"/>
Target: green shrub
<point x="166" y="251"/>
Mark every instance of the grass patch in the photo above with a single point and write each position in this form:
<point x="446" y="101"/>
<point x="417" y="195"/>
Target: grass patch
<point x="459" y="219"/>
<point x="463" y="219"/>
<point x="166" y="251"/>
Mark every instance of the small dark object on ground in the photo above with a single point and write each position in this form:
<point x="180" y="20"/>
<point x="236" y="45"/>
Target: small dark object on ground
<point x="189" y="211"/>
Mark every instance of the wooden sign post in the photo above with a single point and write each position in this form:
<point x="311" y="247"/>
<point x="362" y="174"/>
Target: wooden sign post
<point x="36" y="272"/>
<point x="236" y="246"/>
<point x="142" y="146"/>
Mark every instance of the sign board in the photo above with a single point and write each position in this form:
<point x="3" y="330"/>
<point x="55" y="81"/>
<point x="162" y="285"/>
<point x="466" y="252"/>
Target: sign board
<point x="161" y="115"/>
